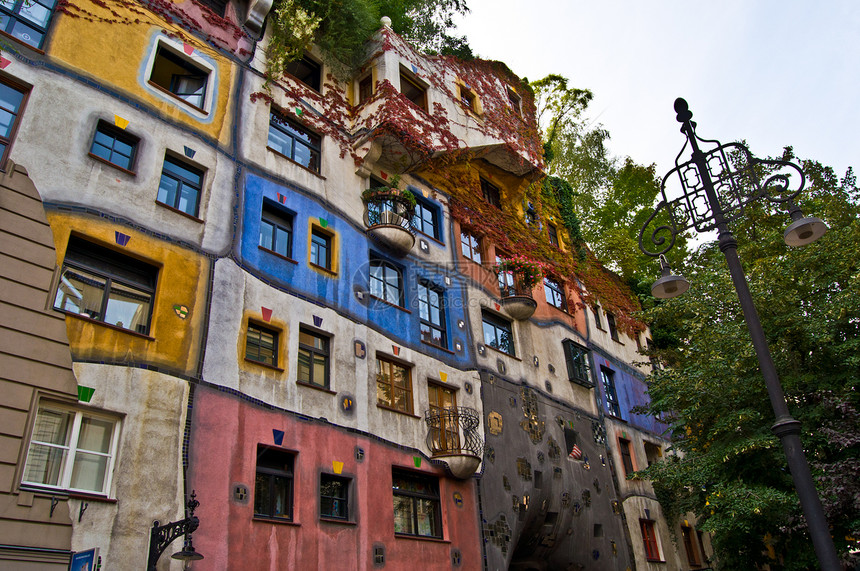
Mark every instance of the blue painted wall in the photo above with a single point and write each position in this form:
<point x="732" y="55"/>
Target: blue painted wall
<point x="631" y="391"/>
<point x="351" y="259"/>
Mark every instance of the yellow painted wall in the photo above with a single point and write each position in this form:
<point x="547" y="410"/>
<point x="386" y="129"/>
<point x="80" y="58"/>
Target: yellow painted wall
<point x="183" y="279"/>
<point x="114" y="53"/>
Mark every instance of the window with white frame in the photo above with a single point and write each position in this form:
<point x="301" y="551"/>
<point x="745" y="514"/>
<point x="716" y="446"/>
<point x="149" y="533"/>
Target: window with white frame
<point x="72" y="449"/>
<point x="181" y="76"/>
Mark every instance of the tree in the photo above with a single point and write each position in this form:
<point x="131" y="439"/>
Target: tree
<point x="730" y="469"/>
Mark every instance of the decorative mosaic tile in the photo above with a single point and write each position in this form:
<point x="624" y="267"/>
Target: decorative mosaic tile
<point x="554" y="449"/>
<point x="524" y="469"/>
<point x="548" y="386"/>
<point x="499" y="533"/>
<point x="513" y="402"/>
<point x="360" y="349"/>
<point x="551" y="369"/>
<point x="490" y="454"/>
<point x="468" y="386"/>
<point x="500" y="366"/>
<point x="494" y="423"/>
<point x="458" y="499"/>
<point x="586" y="498"/>
<point x="506" y="483"/>
<point x="531" y="422"/>
<point x="540" y="457"/>
<point x="598" y="432"/>
<point x="566" y="498"/>
<point x="347" y="404"/>
<point x="536" y="361"/>
<point x="359" y="454"/>
<point x="456" y="557"/>
<point x="596" y="484"/>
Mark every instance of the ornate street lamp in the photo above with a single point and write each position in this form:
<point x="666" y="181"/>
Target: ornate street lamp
<point x="160" y="536"/>
<point x="714" y="191"/>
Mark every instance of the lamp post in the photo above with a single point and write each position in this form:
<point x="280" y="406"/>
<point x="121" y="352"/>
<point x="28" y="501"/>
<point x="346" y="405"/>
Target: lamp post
<point x="160" y="536"/>
<point x="714" y="191"/>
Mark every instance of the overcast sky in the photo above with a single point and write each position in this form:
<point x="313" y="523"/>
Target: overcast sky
<point x="773" y="72"/>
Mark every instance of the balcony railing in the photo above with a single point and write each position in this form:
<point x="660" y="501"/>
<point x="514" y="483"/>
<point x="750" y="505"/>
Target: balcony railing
<point x="388" y="217"/>
<point x="453" y="437"/>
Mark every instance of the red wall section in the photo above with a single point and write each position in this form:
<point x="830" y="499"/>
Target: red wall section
<point x="222" y="453"/>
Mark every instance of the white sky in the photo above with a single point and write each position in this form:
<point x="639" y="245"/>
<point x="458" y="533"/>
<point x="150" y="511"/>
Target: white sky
<point x="773" y="72"/>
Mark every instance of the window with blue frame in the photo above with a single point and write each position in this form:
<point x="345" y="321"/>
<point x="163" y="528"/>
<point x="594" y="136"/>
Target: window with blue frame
<point x="426" y="219"/>
<point x="386" y="282"/>
<point x="612" y="404"/>
<point x="27" y="20"/>
<point x="276" y="230"/>
<point x="431" y="313"/>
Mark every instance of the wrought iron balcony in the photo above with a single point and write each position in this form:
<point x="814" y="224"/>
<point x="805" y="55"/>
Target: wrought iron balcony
<point x="453" y="437"/>
<point x="516" y="296"/>
<point x="388" y="217"/>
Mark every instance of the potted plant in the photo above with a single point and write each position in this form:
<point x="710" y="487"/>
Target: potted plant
<point x="527" y="273"/>
<point x="388" y="215"/>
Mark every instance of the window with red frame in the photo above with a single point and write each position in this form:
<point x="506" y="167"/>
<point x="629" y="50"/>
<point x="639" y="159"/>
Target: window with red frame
<point x="649" y="538"/>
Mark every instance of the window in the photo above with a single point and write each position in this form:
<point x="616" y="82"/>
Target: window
<point x="426" y="219"/>
<point x="626" y="456"/>
<point x="307" y="71"/>
<point x="320" y="249"/>
<point x="276" y="230"/>
<point x="689" y="547"/>
<point x="552" y="232"/>
<point x="491" y="193"/>
<point x="554" y="294"/>
<point x="217" y="6"/>
<point x="71" y="449"/>
<point x="175" y="74"/>
<point x="577" y="363"/>
<point x="649" y="538"/>
<point x="655" y="361"/>
<point x="596" y="311"/>
<point x="12" y="99"/>
<point x="114" y="146"/>
<point x="571" y="443"/>
<point x="273" y="487"/>
<point x="431" y="313"/>
<point x="27" y="20"/>
<point x="470" y="245"/>
<point x="294" y="141"/>
<point x="653" y="453"/>
<point x="531" y="215"/>
<point x="417" y="508"/>
<point x="515" y="101"/>
<point x="393" y="385"/>
<point x="386" y="282"/>
<point x="613" y="330"/>
<point x="365" y="88"/>
<point x="444" y="430"/>
<point x="313" y="357"/>
<point x="261" y="345"/>
<point x="334" y="497"/>
<point x="497" y="333"/>
<point x="412" y="90"/>
<point x="608" y="378"/>
<point x="180" y="186"/>
<point x="467" y="98"/>
<point x="507" y="285"/>
<point x="104" y="285"/>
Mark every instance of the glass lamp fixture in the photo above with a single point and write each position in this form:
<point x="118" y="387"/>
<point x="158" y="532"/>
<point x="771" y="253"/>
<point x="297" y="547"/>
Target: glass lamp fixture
<point x="669" y="285"/>
<point x="803" y="230"/>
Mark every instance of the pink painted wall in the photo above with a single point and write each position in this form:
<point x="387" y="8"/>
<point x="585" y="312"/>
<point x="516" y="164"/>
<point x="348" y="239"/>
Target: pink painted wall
<point x="222" y="453"/>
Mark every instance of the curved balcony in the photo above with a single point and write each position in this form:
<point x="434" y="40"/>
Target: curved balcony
<point x="516" y="296"/>
<point x="453" y="437"/>
<point x="388" y="217"/>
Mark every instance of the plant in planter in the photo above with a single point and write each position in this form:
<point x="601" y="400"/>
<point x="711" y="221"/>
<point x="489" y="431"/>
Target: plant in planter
<point x="527" y="272"/>
<point x="389" y="204"/>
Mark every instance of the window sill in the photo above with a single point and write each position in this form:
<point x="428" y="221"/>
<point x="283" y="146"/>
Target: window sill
<point x="618" y="341"/>
<point x="420" y="538"/>
<point x="74" y="494"/>
<point x="92" y="497"/>
<point x="176" y="210"/>
<point x="108" y="325"/>
<point x="438" y="347"/>
<point x="110" y="164"/>
<point x="274" y="253"/>
<point x="17" y="41"/>
<point x="265" y="365"/>
<point x="277" y="520"/>
<point x="437" y="240"/>
<point x="401" y="308"/>
<point x="323" y="269"/>
<point x="316" y="387"/>
<point x="334" y="520"/>
<point x="298" y="164"/>
<point x="500" y="352"/>
<point x="179" y="99"/>
<point x="386" y="407"/>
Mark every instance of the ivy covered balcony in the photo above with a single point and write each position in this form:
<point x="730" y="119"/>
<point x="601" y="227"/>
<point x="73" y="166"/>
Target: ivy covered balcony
<point x="388" y="216"/>
<point x="453" y="437"/>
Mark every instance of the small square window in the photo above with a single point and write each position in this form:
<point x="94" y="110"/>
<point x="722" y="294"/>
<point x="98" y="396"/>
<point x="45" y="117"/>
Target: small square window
<point x="273" y="486"/>
<point x="468" y="98"/>
<point x="27" y="20"/>
<point x="261" y="345"/>
<point x="294" y="141"/>
<point x="113" y="145"/>
<point x="307" y="71"/>
<point x="12" y="100"/>
<point x="554" y="293"/>
<point x="313" y="359"/>
<point x="365" y="88"/>
<point x="107" y="286"/>
<point x="498" y="333"/>
<point x="175" y="74"/>
<point x="413" y="90"/>
<point x="417" y="509"/>
<point x="180" y="186"/>
<point x="276" y="230"/>
<point x="393" y="385"/>
<point x="470" y="246"/>
<point x="491" y="193"/>
<point x="334" y="497"/>
<point x="71" y="449"/>
<point x="320" y="249"/>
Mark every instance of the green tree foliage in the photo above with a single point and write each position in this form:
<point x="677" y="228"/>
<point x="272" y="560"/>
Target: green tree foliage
<point x="731" y="470"/>
<point x="341" y="28"/>
<point x="611" y="197"/>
